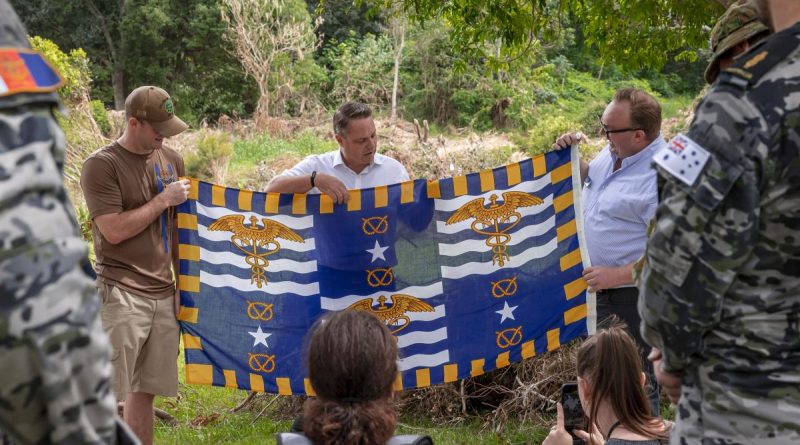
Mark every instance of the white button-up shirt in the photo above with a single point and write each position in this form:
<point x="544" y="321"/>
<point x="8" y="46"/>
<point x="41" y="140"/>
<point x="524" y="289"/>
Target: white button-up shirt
<point x="618" y="206"/>
<point x="383" y="170"/>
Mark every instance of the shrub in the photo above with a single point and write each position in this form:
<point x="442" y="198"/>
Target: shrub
<point x="545" y="132"/>
<point x="210" y="160"/>
<point x="100" y="116"/>
<point x="73" y="67"/>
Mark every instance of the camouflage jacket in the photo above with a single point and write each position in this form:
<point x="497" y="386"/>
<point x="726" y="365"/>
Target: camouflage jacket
<point x="55" y="374"/>
<point x="720" y="293"/>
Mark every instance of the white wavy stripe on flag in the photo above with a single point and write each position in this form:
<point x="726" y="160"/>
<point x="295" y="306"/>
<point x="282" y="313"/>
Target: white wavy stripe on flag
<point x="518" y="260"/>
<point x="421" y="337"/>
<point x="293" y="222"/>
<point x="234" y="259"/>
<point x="343" y="302"/>
<point x="220" y="236"/>
<point x="451" y="205"/>
<point x="270" y="287"/>
<point x="441" y="227"/>
<point x="423" y="360"/>
<point x="517" y="237"/>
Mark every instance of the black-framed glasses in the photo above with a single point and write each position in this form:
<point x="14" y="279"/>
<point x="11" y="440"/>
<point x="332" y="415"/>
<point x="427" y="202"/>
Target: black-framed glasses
<point x="606" y="131"/>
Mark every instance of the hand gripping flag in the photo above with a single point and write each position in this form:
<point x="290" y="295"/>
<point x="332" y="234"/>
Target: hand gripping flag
<point x="470" y="273"/>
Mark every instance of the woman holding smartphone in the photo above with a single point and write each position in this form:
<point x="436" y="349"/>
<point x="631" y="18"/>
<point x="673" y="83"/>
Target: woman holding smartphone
<point x="611" y="390"/>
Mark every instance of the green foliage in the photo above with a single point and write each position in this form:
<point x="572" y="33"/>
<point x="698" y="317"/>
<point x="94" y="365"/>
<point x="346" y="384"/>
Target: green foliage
<point x="100" y="116"/>
<point x="632" y="33"/>
<point x="299" y="86"/>
<point x="342" y="20"/>
<point x="73" y="67"/>
<point x="250" y="152"/>
<point x="545" y="132"/>
<point x="361" y="70"/>
<point x="210" y="160"/>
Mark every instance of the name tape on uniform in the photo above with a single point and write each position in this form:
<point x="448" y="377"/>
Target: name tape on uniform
<point x="682" y="158"/>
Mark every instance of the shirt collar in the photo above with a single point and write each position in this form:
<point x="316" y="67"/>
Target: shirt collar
<point x="338" y="160"/>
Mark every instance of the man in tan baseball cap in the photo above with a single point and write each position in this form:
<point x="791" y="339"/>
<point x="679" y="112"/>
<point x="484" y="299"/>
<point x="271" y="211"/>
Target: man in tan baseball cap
<point x="735" y="32"/>
<point x="131" y="188"/>
<point x="152" y="104"/>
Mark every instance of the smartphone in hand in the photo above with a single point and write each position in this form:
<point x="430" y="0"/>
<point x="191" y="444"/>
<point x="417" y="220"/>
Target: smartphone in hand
<point x="574" y="417"/>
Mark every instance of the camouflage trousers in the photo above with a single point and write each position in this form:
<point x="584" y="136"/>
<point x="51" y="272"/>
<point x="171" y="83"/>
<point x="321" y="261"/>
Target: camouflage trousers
<point x="54" y="356"/>
<point x="713" y="412"/>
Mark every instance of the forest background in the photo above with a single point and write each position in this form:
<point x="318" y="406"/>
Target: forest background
<point x="458" y="86"/>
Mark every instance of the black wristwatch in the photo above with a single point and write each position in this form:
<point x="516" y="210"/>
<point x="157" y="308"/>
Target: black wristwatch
<point x="313" y="175"/>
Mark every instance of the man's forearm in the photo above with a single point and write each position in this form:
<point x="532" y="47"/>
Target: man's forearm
<point x="289" y="184"/>
<point x="119" y="227"/>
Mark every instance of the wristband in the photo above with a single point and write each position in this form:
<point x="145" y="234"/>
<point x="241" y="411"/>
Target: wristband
<point x="313" y="175"/>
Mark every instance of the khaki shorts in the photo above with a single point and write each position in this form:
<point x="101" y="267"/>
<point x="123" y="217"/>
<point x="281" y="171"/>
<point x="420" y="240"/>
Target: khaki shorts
<point x="144" y="337"/>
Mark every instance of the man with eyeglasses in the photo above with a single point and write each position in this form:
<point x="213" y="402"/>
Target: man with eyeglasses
<point x="619" y="200"/>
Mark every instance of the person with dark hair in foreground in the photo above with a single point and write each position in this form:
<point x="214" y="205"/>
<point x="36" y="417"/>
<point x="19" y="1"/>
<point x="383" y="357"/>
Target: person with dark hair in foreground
<point x="611" y="390"/>
<point x="352" y="366"/>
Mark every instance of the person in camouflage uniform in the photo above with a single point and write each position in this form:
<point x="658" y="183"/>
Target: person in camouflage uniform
<point x="733" y="35"/>
<point x="54" y="356"/>
<point x="721" y="284"/>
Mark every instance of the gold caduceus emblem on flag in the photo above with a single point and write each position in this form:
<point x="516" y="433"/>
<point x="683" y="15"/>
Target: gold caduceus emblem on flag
<point x="395" y="315"/>
<point x="257" y="242"/>
<point x="495" y="220"/>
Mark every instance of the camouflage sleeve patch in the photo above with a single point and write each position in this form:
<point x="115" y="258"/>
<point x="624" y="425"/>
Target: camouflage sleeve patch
<point x="704" y="233"/>
<point x="683" y="158"/>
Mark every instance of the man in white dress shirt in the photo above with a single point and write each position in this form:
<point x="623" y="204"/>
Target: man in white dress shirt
<point x="619" y="200"/>
<point x="355" y="165"/>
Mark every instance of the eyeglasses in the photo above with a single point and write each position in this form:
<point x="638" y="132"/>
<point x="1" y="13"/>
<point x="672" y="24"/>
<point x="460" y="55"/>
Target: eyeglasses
<point x="606" y="131"/>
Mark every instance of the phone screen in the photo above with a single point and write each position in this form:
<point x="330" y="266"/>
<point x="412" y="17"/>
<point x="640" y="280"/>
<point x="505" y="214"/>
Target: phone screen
<point x="574" y="417"/>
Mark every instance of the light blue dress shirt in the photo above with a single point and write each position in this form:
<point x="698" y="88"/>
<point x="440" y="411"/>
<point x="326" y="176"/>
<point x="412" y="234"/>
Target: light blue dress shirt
<point x="618" y="205"/>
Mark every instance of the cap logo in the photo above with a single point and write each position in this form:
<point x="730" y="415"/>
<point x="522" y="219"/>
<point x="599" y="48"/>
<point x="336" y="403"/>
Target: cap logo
<point x="168" y="107"/>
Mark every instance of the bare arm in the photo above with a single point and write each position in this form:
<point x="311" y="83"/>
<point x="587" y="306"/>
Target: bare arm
<point x="118" y="227"/>
<point x="327" y="184"/>
<point x="290" y="184"/>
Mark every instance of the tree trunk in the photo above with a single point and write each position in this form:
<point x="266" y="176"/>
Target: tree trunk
<point x="118" y="81"/>
<point x="262" y="108"/>
<point x="398" y="53"/>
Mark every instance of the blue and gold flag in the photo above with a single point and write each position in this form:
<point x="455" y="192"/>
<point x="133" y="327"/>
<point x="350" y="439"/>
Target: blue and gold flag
<point x="470" y="273"/>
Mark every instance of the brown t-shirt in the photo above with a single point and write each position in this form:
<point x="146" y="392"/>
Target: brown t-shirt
<point x="115" y="180"/>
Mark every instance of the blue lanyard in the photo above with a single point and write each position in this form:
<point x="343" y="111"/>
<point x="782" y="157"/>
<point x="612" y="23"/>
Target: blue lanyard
<point x="161" y="185"/>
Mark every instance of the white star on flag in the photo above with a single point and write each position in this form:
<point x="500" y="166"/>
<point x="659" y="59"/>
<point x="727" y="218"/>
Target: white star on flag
<point x="377" y="252"/>
<point x="506" y="312"/>
<point x="260" y="337"/>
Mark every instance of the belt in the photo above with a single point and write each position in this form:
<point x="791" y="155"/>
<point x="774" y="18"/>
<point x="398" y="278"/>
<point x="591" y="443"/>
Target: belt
<point x="619" y="295"/>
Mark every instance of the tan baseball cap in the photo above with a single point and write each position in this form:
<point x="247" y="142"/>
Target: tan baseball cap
<point x="152" y="104"/>
<point x="739" y="23"/>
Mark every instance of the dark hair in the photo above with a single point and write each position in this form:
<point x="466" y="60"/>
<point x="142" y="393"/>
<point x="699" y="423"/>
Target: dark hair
<point x="348" y="112"/>
<point x="352" y="366"/>
<point x="645" y="110"/>
<point x="610" y="362"/>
